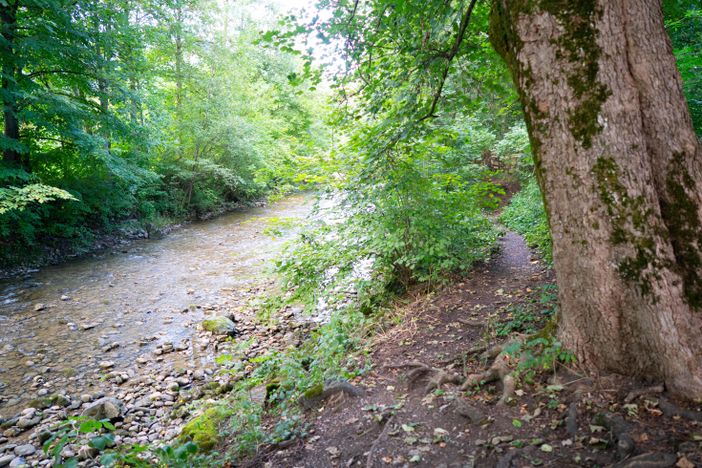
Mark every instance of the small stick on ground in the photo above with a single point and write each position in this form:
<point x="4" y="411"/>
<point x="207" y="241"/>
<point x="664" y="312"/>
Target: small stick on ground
<point x="470" y="323"/>
<point x="376" y="443"/>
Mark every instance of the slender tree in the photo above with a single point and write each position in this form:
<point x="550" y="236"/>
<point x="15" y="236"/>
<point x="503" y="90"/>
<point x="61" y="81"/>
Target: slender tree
<point x="10" y="145"/>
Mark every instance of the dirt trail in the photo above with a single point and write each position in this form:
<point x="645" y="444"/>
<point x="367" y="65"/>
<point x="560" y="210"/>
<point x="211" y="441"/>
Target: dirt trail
<point x="397" y="423"/>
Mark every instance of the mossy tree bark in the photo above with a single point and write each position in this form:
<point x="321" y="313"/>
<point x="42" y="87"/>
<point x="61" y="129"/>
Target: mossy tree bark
<point x="620" y="168"/>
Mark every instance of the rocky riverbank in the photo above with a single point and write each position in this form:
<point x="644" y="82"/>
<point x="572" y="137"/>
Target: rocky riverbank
<point x="57" y="251"/>
<point x="135" y="332"/>
<point x="149" y="401"/>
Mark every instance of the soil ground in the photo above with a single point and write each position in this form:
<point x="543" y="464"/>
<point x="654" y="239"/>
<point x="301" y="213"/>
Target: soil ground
<point x="551" y="421"/>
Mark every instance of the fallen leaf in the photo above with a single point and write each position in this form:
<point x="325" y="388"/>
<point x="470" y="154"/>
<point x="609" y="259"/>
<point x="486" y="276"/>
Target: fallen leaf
<point x="407" y="428"/>
<point x="333" y="452"/>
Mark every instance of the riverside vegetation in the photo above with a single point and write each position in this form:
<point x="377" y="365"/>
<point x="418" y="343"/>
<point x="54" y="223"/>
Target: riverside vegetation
<point x="397" y="303"/>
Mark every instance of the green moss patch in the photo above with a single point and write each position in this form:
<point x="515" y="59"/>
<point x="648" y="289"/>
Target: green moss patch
<point x="204" y="430"/>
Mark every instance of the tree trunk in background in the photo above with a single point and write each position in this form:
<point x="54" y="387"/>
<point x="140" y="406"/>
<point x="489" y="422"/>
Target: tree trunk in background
<point x="8" y="15"/>
<point x="179" y="79"/>
<point x="620" y="168"/>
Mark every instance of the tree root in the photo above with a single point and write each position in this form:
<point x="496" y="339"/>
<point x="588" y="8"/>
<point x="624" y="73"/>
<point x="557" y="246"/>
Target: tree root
<point x="649" y="460"/>
<point x="435" y="377"/>
<point x="464" y="355"/>
<point x="620" y="432"/>
<point x="634" y="394"/>
<point x="671" y="410"/>
<point x="499" y="370"/>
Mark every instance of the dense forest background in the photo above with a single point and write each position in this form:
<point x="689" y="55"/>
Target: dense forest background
<point x="125" y="116"/>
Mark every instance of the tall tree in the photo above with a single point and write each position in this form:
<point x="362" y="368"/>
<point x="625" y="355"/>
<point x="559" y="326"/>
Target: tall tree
<point x="10" y="145"/>
<point x="620" y="168"/>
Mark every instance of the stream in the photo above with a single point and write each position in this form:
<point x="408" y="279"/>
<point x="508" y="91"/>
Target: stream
<point x="83" y="328"/>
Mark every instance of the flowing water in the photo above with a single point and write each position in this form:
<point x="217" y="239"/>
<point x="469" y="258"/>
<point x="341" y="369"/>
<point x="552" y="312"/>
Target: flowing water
<point x="57" y="325"/>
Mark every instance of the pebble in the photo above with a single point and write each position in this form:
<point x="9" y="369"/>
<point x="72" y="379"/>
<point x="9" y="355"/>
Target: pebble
<point x="26" y="423"/>
<point x="5" y="460"/>
<point x="25" y="450"/>
<point x="18" y="462"/>
<point x="106" y="364"/>
<point x="110" y="347"/>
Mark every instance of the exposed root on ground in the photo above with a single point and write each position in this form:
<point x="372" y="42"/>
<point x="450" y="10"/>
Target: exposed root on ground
<point x="465" y="354"/>
<point x="620" y="431"/>
<point x="634" y="394"/>
<point x="671" y="410"/>
<point x="499" y="370"/>
<point x="434" y="377"/>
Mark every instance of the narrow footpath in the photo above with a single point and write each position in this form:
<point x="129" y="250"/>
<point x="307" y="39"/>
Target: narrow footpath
<point x="561" y="420"/>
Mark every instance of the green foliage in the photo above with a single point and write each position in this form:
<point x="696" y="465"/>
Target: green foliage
<point x="539" y="354"/>
<point x="514" y="150"/>
<point x="99" y="437"/>
<point x="204" y="431"/>
<point x="684" y="24"/>
<point x="526" y="215"/>
<point x="13" y="198"/>
<point x="70" y="430"/>
<point x="146" y="111"/>
<point x="280" y="379"/>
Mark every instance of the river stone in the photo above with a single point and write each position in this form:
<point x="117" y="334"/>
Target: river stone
<point x="25" y="450"/>
<point x="5" y="460"/>
<point x="18" y="462"/>
<point x="55" y="399"/>
<point x="104" y="408"/>
<point x="219" y="325"/>
<point x="26" y="423"/>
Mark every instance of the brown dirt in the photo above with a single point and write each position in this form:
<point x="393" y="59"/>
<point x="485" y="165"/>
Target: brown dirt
<point x="396" y="423"/>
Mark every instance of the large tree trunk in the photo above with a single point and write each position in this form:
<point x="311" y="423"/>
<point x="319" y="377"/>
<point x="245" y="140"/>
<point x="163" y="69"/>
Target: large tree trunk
<point x="620" y="168"/>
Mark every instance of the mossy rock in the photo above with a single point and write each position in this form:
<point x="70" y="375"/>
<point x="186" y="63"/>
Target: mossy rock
<point x="49" y="401"/>
<point x="203" y="430"/>
<point x="314" y="392"/>
<point x="219" y="325"/>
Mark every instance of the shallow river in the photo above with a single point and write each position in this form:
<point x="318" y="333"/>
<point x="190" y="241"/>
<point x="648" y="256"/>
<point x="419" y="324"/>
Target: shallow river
<point x="57" y="325"/>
